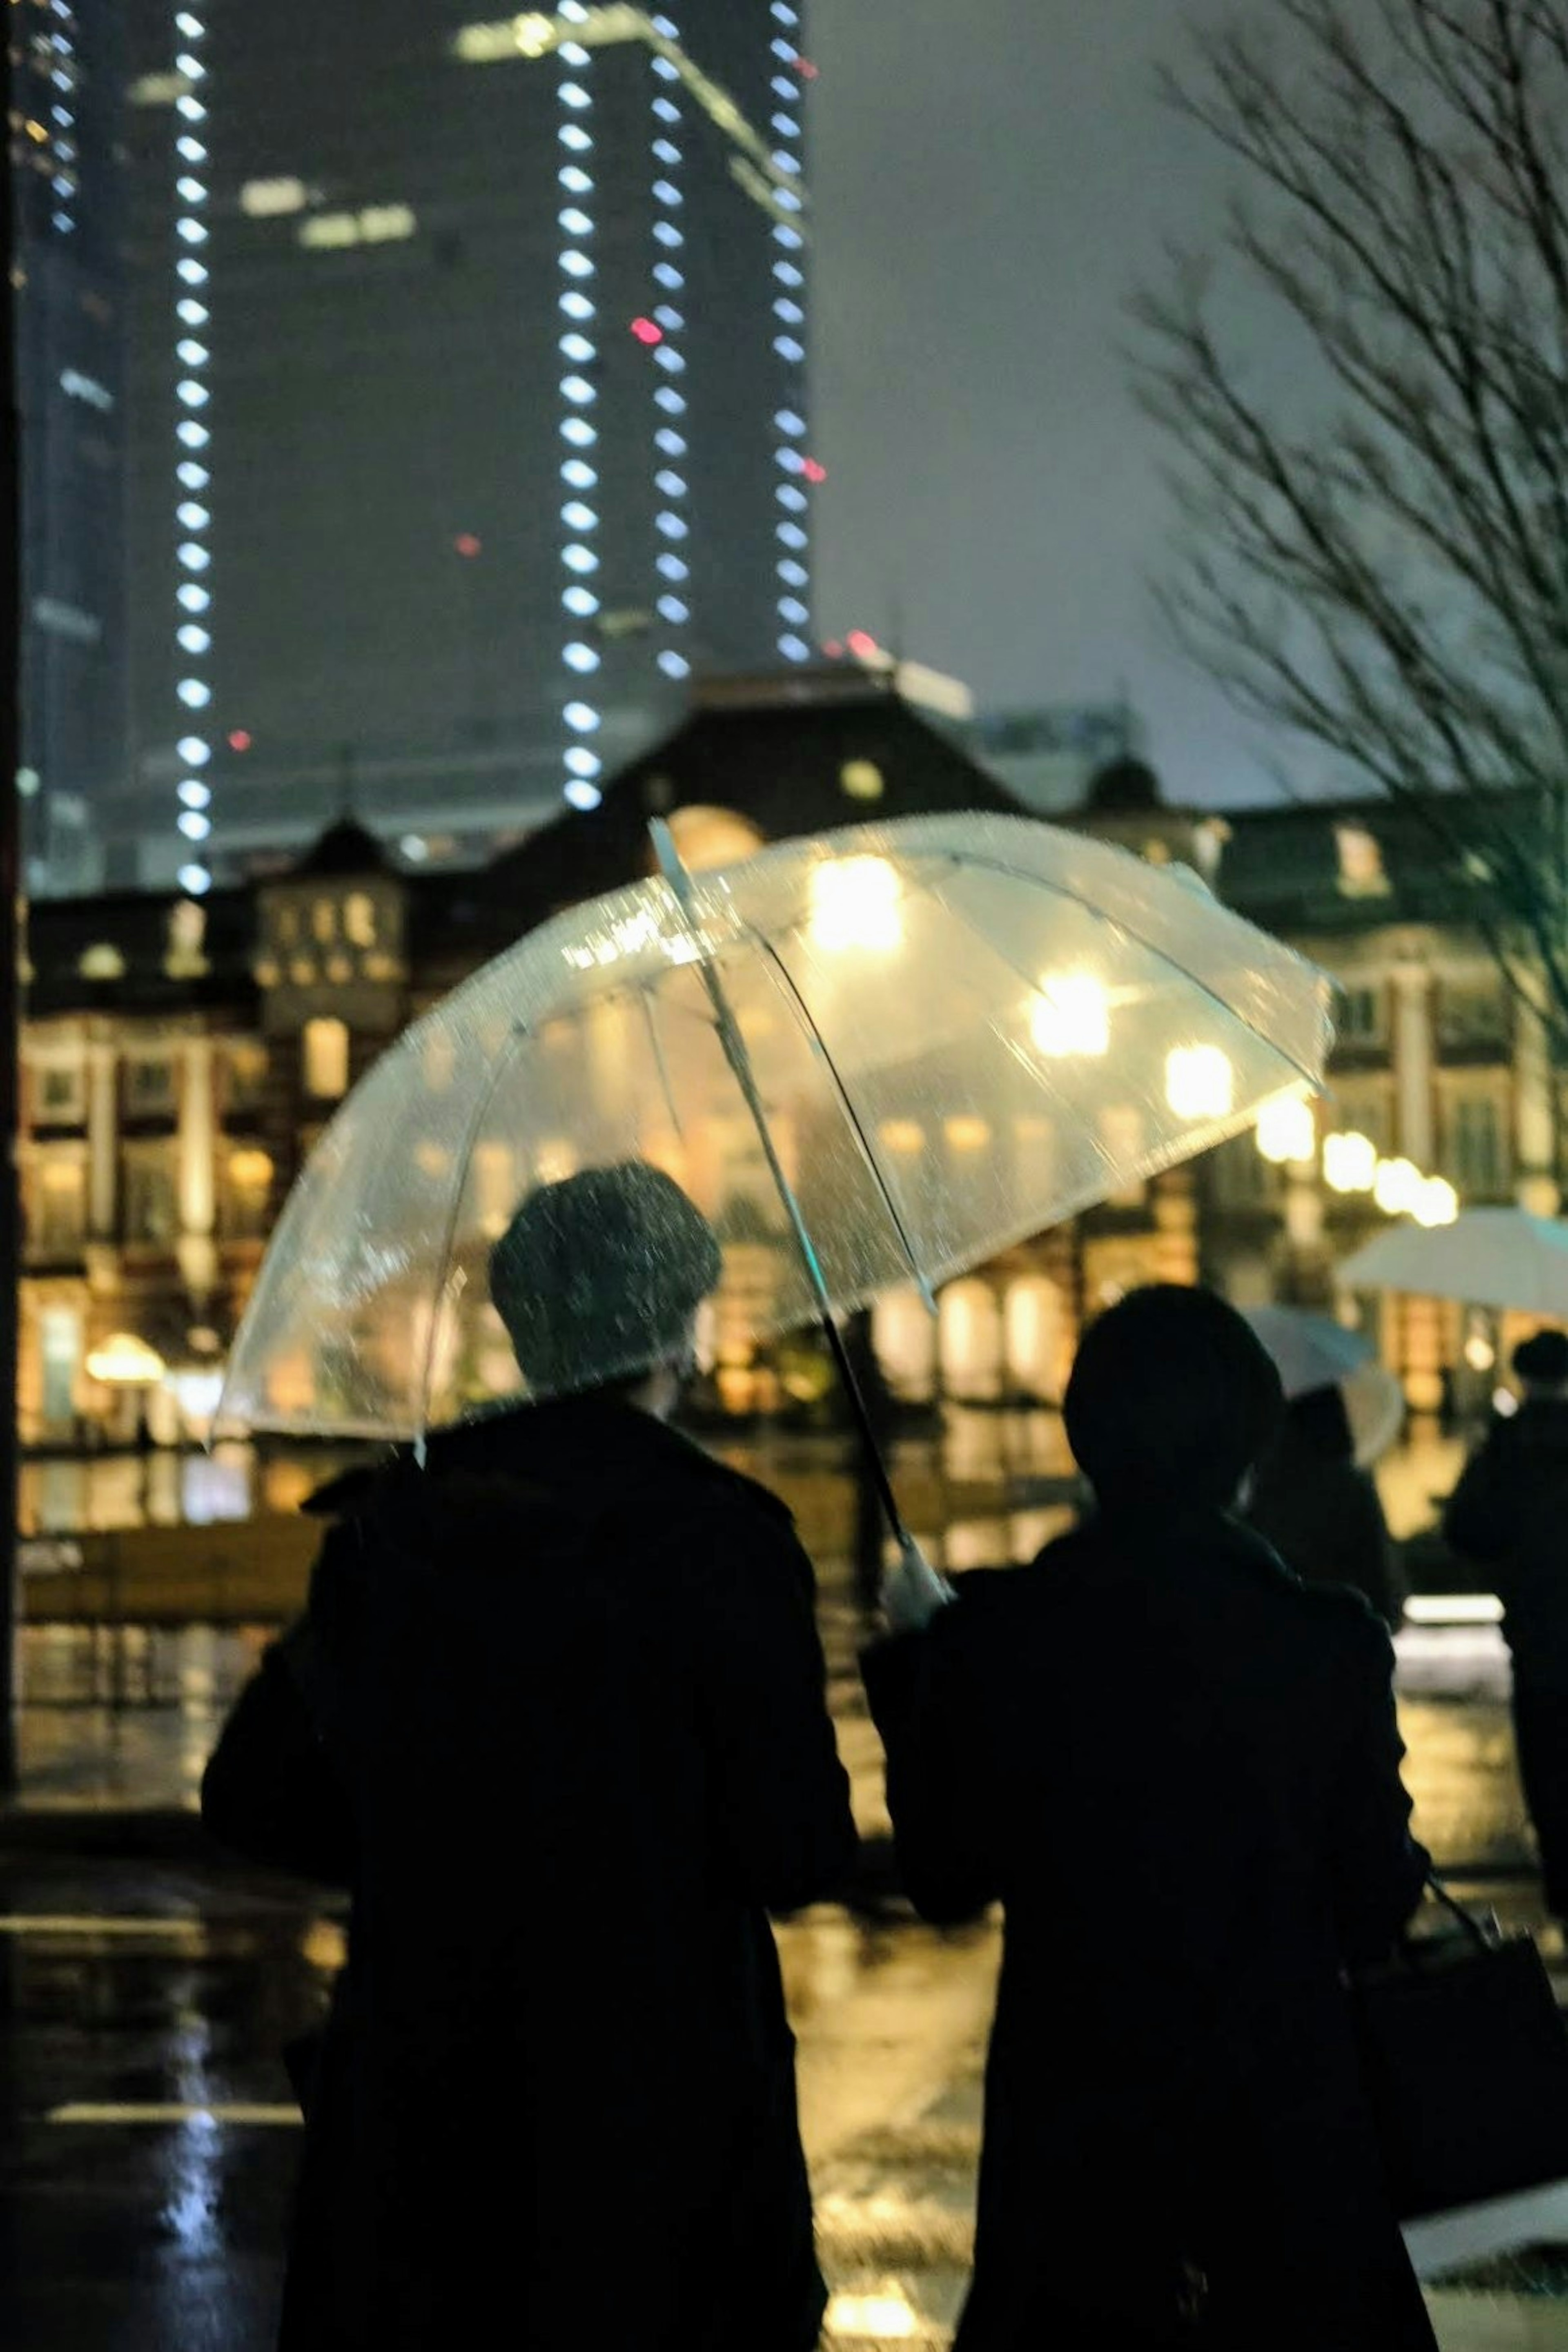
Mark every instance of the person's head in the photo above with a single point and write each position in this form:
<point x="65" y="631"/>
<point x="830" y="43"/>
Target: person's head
<point x="598" y="1280"/>
<point x="1172" y="1400"/>
<point x="1318" y="1425"/>
<point x="1541" y="1364"/>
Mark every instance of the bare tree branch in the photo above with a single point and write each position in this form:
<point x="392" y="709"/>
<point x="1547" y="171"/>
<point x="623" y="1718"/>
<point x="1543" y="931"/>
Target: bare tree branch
<point x="1380" y="560"/>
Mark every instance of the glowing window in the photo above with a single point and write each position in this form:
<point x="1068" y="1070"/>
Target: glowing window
<point x="575" y="347"/>
<point x="574" y="221"/>
<point x="578" y="558"/>
<point x="325" y="1056"/>
<point x="572" y="177"/>
<point x="579" y="475"/>
<point x="579" y="656"/>
<point x="576" y="305"/>
<point x="578" y="517"/>
<point x="671" y="567"/>
<point x="674" y="664"/>
<point x="580" y="761"/>
<point x="572" y="135"/>
<point x="579" y="432"/>
<point x="790" y="534"/>
<point x="672" y="484"/>
<point x="584" y="795"/>
<point x="575" y="264"/>
<point x="667" y="274"/>
<point x="795" y="649"/>
<point x="670" y="400"/>
<point x="666" y="110"/>
<point x="266" y="199"/>
<point x="581" y="717"/>
<point x="669" y="441"/>
<point x="580" y="600"/>
<point x="670" y="608"/>
<point x="573" y="94"/>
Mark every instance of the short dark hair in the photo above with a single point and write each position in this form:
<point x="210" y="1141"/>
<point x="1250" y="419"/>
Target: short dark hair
<point x="597" y="1277"/>
<point x="1171" y="1400"/>
<point x="1544" y="1357"/>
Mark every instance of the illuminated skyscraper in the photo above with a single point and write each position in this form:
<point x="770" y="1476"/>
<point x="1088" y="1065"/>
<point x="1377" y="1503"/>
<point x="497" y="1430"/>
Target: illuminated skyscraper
<point x="469" y="404"/>
<point x="66" y="82"/>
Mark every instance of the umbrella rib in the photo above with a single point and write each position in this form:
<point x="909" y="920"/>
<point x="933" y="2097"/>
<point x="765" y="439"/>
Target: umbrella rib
<point x="470" y="1135"/>
<point x="857" y="1126"/>
<point x="651" y="1015"/>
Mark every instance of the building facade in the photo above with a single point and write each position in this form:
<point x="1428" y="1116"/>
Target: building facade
<point x="181" y="1057"/>
<point x="68" y="276"/>
<point x="468" y="403"/>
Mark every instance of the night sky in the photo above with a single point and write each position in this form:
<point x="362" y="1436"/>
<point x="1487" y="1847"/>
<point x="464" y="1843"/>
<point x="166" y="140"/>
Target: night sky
<point x="990" y="181"/>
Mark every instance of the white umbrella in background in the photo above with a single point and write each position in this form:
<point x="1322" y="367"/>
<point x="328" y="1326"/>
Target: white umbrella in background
<point x="1487" y="1257"/>
<point x="1312" y="1351"/>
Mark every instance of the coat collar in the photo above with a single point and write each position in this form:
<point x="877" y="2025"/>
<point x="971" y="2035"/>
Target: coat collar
<point x="566" y="1443"/>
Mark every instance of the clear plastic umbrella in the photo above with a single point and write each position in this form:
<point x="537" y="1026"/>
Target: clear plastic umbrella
<point x="872" y="1058"/>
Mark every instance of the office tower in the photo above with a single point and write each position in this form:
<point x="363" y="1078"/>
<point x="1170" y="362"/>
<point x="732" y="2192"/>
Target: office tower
<point x="65" y="94"/>
<point x="469" y="413"/>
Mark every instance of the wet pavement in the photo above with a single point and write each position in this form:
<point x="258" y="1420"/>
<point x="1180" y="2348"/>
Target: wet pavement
<point x="147" y="2135"/>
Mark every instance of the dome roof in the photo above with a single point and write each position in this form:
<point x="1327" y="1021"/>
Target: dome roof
<point x="1124" y="787"/>
<point x="344" y="850"/>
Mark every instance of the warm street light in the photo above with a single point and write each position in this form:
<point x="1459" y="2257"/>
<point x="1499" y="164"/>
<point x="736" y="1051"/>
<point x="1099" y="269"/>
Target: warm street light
<point x="125" y="1361"/>
<point x="855" y="904"/>
<point x="1287" y="1130"/>
<point x="1350" y="1162"/>
<point x="1199" y="1082"/>
<point x="1071" y="1017"/>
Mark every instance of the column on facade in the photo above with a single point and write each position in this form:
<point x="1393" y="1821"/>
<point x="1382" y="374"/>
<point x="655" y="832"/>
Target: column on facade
<point x="1412" y="1062"/>
<point x="1534" y="1129"/>
<point x="198" y="1169"/>
<point x="102" y="1141"/>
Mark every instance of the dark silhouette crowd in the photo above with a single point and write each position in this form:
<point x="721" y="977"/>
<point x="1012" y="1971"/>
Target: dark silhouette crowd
<point x="556" y="1718"/>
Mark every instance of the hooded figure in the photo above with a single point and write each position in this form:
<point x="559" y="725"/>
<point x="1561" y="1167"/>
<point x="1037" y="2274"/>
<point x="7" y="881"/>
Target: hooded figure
<point x="1510" y="1513"/>
<point x="1321" y="1510"/>
<point x="1176" y="1766"/>
<point x="555" y="1716"/>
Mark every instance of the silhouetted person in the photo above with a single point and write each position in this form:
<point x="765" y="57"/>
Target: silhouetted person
<point x="556" y="1716"/>
<point x="1177" y="1768"/>
<point x="1321" y="1510"/>
<point x="1509" y="1513"/>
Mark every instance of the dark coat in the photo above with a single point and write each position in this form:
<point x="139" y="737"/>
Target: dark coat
<point x="1509" y="1512"/>
<point x="573" y="1746"/>
<point x="1177" y="1767"/>
<point x="1315" y="1504"/>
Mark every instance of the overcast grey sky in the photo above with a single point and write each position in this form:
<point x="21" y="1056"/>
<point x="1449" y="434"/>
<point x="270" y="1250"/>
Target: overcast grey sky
<point x="989" y="182"/>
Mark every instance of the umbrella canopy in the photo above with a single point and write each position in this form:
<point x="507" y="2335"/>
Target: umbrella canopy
<point x="1310" y="1351"/>
<point x="1487" y="1257"/>
<point x="1374" y="1407"/>
<point x="872" y="1057"/>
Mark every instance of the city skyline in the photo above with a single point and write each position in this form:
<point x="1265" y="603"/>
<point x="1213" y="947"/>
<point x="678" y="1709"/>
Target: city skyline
<point x="468" y="421"/>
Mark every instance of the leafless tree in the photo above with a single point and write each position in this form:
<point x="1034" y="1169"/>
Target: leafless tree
<point x="1377" y="554"/>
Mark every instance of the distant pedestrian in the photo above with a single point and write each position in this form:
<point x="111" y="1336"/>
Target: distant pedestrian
<point x="1510" y="1513"/>
<point x="1321" y="1510"/>
<point x="556" y="1718"/>
<point x="1177" y="1768"/>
